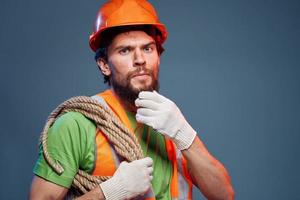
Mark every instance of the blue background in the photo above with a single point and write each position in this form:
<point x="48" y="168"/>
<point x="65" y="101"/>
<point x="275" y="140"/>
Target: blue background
<point x="231" y="66"/>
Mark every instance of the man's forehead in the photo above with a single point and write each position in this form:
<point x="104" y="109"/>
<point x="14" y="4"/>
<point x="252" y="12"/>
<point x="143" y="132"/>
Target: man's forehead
<point x="137" y="37"/>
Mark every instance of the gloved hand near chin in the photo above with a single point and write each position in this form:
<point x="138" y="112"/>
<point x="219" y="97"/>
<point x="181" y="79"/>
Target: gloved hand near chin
<point x="164" y="116"/>
<point x="130" y="180"/>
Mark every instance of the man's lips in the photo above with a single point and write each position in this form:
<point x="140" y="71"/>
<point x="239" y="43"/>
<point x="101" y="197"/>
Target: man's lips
<point x="141" y="77"/>
<point x="141" y="74"/>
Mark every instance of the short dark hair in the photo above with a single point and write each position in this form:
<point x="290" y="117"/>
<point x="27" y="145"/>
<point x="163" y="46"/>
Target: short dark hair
<point x="108" y="35"/>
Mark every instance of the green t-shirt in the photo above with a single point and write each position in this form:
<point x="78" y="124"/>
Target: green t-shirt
<point x="71" y="141"/>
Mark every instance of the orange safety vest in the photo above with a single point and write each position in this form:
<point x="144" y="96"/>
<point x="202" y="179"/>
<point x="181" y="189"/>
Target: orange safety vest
<point x="107" y="160"/>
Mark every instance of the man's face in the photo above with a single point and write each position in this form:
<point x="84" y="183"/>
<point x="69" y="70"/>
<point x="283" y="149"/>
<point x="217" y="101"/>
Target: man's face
<point x="134" y="64"/>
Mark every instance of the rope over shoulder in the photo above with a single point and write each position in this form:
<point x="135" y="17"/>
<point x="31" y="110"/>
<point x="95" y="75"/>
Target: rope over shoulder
<point x="125" y="143"/>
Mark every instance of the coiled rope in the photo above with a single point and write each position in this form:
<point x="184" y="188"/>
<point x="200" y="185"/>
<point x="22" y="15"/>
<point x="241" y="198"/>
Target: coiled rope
<point x="124" y="142"/>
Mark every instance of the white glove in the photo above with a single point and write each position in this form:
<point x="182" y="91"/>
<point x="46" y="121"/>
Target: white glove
<point x="130" y="180"/>
<point x="164" y="116"/>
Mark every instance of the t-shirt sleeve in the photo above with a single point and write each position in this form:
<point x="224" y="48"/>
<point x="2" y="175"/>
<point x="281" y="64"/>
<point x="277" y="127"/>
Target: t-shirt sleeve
<point x="71" y="142"/>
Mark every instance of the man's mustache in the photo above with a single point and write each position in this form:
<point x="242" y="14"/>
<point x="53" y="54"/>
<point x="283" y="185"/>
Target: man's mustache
<point x="140" y="71"/>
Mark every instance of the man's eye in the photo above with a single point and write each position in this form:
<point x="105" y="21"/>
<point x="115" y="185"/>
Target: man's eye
<point x="148" y="49"/>
<point x="124" y="51"/>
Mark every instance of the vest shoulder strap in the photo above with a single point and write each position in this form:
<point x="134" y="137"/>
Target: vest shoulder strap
<point x="100" y="100"/>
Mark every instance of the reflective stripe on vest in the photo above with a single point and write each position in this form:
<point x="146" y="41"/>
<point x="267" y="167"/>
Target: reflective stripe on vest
<point x="184" y="179"/>
<point x="181" y="183"/>
<point x="107" y="160"/>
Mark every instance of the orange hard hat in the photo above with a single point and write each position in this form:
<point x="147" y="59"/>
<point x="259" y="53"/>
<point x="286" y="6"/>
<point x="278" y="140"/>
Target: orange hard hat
<point x="117" y="13"/>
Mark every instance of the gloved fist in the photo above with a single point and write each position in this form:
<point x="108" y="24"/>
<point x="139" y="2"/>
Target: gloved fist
<point x="164" y="116"/>
<point x="130" y="180"/>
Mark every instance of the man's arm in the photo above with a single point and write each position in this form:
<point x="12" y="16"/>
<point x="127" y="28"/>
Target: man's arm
<point x="207" y="173"/>
<point x="130" y="180"/>
<point x="42" y="189"/>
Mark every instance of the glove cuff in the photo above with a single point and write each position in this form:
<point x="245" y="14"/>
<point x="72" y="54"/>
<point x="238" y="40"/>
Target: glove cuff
<point x="113" y="190"/>
<point x="185" y="137"/>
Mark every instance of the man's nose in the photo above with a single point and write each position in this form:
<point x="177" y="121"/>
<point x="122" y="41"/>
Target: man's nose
<point x="139" y="58"/>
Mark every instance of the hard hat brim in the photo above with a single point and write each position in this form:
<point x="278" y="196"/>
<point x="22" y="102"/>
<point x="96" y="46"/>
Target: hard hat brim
<point x="95" y="38"/>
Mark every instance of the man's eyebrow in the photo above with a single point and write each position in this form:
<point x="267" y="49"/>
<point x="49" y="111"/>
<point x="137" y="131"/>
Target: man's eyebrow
<point x="122" y="47"/>
<point x="130" y="46"/>
<point x="149" y="44"/>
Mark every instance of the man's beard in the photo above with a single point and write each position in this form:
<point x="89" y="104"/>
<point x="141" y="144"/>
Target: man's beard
<point x="127" y="92"/>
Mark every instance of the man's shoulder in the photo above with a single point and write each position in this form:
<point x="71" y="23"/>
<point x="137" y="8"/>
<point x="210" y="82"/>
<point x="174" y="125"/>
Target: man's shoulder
<point x="73" y="120"/>
<point x="71" y="124"/>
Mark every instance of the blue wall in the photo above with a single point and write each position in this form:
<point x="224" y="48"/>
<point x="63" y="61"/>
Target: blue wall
<point x="231" y="66"/>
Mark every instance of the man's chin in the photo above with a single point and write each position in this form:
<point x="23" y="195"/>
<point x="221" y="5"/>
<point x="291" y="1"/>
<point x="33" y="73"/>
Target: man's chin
<point x="142" y="86"/>
<point x="138" y="89"/>
<point x="130" y="92"/>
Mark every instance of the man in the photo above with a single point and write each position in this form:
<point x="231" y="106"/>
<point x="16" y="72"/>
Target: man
<point x="128" y="41"/>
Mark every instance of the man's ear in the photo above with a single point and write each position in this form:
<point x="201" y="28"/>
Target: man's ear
<point x="103" y="67"/>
